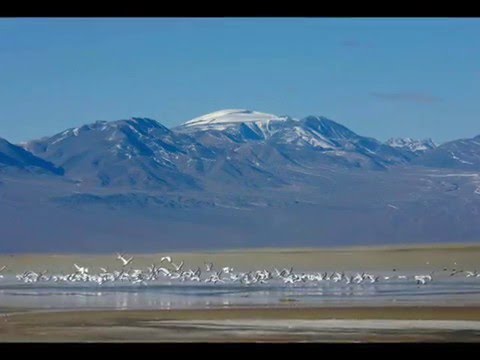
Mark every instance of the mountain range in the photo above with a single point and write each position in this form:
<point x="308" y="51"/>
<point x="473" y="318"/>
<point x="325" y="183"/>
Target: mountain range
<point x="233" y="178"/>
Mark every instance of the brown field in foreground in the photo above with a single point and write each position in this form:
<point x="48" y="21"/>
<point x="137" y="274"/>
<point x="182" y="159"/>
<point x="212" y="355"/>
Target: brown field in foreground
<point x="259" y="324"/>
<point x="420" y="257"/>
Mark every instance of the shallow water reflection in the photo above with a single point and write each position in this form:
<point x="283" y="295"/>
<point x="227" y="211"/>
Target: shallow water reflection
<point x="182" y="296"/>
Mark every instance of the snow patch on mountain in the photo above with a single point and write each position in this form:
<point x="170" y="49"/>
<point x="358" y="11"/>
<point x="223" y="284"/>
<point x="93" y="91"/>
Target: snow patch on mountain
<point x="416" y="146"/>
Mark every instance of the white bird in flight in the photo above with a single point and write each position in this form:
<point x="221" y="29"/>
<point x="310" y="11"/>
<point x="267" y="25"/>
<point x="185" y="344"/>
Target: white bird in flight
<point x="124" y="261"/>
<point x="165" y="271"/>
<point x="177" y="267"/>
<point x="81" y="269"/>
<point x="166" y="258"/>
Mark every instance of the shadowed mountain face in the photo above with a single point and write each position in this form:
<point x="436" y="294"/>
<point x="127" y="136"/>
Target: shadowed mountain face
<point x="138" y="153"/>
<point x="14" y="157"/>
<point x="232" y="179"/>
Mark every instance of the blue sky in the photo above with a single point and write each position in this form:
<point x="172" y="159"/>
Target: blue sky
<point x="380" y="77"/>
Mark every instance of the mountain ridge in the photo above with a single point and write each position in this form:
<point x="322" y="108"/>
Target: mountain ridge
<point x="227" y="146"/>
<point x="15" y="156"/>
<point x="136" y="185"/>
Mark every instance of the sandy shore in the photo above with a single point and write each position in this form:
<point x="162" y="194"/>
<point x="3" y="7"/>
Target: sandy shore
<point x="259" y="325"/>
<point x="421" y="257"/>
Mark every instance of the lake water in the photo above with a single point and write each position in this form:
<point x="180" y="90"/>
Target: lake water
<point x="456" y="291"/>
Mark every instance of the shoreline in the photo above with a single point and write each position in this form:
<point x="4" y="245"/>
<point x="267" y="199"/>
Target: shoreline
<point x="299" y="250"/>
<point x="368" y="312"/>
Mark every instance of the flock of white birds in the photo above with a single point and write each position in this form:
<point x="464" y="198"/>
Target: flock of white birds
<point x="169" y="270"/>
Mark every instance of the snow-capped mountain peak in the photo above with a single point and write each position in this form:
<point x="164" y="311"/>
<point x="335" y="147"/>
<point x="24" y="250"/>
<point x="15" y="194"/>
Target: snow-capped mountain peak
<point x="238" y="124"/>
<point x="234" y="116"/>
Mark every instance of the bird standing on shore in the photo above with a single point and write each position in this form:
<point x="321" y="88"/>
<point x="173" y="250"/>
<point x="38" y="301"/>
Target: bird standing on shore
<point x="422" y="279"/>
<point x="227" y="270"/>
